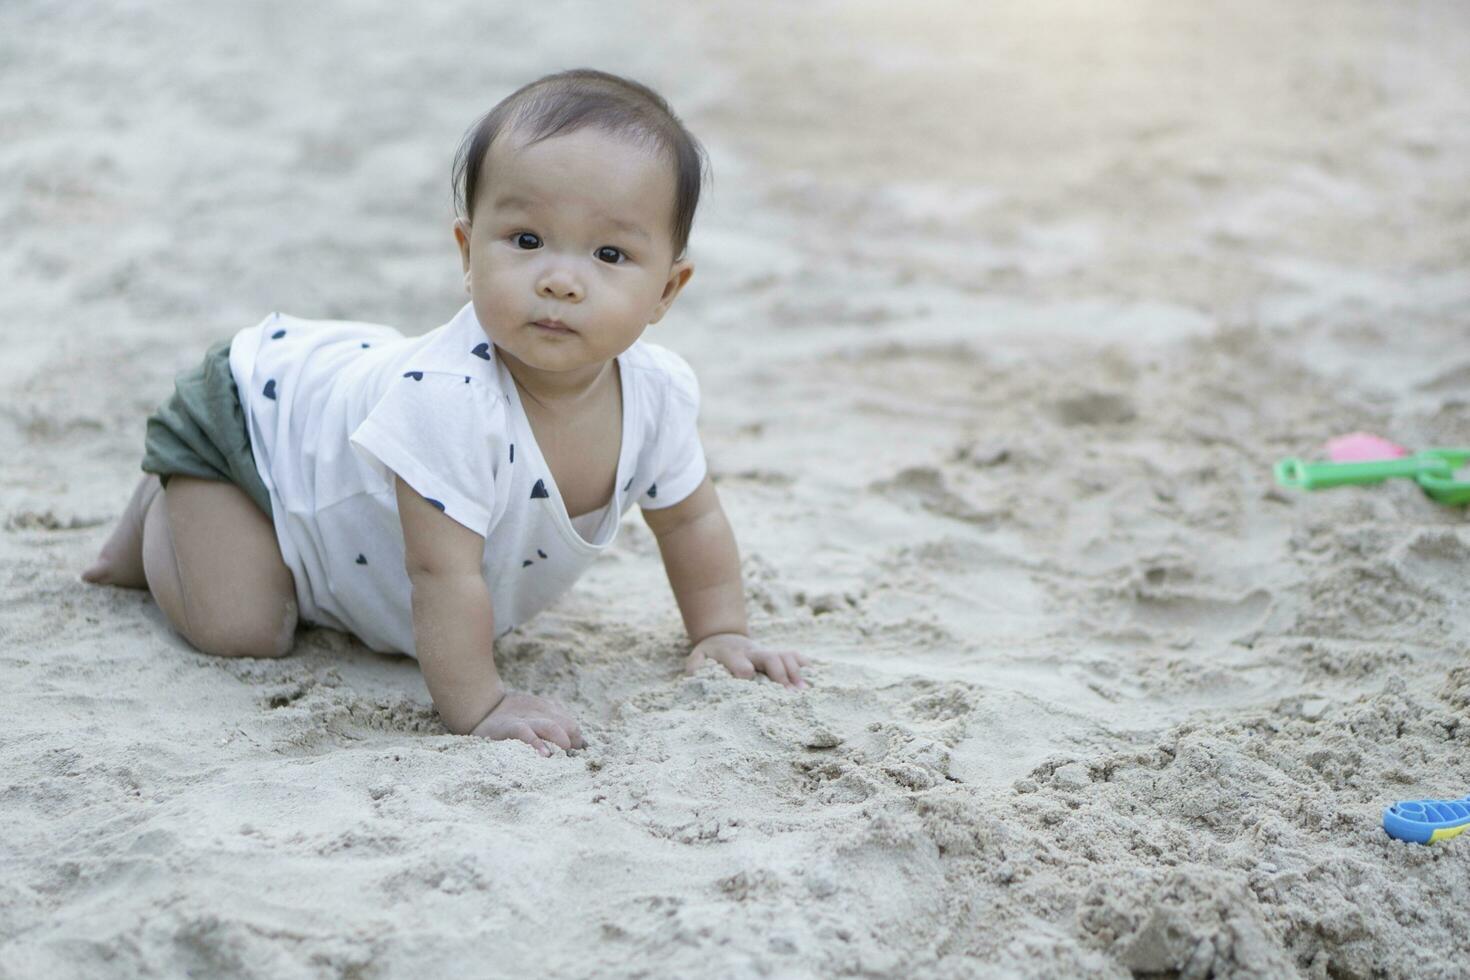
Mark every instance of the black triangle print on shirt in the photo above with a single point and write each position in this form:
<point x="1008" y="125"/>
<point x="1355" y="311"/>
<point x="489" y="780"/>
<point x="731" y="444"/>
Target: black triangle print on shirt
<point x="416" y="375"/>
<point x="278" y="335"/>
<point x="482" y="351"/>
<point x="539" y="490"/>
<point x="653" y="490"/>
<point x="361" y="560"/>
<point x="270" y="389"/>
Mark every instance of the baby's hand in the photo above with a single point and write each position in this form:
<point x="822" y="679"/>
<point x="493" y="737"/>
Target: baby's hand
<point x="533" y="720"/>
<point x="742" y="657"/>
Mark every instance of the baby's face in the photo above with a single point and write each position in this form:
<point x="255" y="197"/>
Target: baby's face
<point x="575" y="229"/>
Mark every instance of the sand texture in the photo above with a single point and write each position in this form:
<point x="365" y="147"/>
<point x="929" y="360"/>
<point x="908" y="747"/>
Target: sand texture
<point x="1002" y="313"/>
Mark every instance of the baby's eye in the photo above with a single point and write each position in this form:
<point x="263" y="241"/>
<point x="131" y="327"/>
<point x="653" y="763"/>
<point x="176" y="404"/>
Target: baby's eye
<point x="610" y="255"/>
<point x="520" y="240"/>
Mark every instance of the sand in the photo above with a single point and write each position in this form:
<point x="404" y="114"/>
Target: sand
<point x="1002" y="314"/>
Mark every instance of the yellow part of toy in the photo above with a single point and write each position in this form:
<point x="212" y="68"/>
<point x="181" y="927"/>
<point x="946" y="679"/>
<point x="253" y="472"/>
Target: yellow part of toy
<point x="1447" y="832"/>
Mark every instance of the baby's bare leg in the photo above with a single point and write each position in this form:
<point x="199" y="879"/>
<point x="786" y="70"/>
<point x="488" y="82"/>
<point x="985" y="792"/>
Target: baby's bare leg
<point x="216" y="571"/>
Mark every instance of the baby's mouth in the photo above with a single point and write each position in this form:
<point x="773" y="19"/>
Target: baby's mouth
<point x="555" y="326"/>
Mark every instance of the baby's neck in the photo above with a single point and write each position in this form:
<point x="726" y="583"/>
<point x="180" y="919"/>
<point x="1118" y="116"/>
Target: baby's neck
<point x="560" y="392"/>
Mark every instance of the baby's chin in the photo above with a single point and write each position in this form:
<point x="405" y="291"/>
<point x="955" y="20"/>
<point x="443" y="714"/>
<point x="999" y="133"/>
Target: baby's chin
<point x="552" y="355"/>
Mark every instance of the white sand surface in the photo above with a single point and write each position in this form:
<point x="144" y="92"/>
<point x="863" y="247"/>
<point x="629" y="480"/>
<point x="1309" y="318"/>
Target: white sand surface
<point x="1003" y="312"/>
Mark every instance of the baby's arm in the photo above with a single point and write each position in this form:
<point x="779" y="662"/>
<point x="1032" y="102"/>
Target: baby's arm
<point x="454" y="633"/>
<point x="703" y="564"/>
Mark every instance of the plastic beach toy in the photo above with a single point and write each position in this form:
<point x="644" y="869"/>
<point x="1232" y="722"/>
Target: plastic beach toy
<point x="1435" y="470"/>
<point x="1358" y="447"/>
<point x="1426" y="821"/>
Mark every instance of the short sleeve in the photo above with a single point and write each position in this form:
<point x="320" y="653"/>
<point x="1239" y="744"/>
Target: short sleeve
<point x="442" y="433"/>
<point x="681" y="466"/>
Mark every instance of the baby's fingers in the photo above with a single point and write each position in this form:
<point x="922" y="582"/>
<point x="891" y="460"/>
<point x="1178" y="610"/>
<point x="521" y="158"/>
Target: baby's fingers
<point x="522" y="731"/>
<point x="739" y="665"/>
<point x="793" y="665"/>
<point x="552" y="732"/>
<point x="775" y="668"/>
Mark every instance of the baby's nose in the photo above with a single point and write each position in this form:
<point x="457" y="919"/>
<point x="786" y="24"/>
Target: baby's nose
<point x="560" y="285"/>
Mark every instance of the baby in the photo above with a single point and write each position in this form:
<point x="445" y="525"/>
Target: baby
<point x="430" y="493"/>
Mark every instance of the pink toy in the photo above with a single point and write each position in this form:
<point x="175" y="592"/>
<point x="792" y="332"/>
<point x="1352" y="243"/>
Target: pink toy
<point x="1361" y="447"/>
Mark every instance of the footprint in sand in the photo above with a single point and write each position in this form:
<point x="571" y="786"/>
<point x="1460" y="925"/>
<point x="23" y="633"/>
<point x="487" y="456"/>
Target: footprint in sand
<point x="1437" y="558"/>
<point x="927" y="487"/>
<point x="1209" y="615"/>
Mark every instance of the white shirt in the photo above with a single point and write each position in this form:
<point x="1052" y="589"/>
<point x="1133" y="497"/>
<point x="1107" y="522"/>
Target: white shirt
<point x="334" y="408"/>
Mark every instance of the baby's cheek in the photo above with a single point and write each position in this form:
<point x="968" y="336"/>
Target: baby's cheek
<point x="495" y="286"/>
<point x="640" y="306"/>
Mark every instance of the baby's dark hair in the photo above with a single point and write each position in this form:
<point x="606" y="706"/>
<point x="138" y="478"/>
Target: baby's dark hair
<point x="567" y="101"/>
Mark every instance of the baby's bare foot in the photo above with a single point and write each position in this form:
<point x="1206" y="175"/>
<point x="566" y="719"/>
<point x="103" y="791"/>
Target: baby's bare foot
<point x="120" y="562"/>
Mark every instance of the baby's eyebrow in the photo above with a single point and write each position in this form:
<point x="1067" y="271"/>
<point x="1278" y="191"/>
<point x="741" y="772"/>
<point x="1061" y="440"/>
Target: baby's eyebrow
<point x="626" y="226"/>
<point x="512" y="201"/>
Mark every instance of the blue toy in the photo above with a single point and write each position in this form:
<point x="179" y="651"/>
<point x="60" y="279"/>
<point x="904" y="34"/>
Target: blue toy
<point x="1426" y="821"/>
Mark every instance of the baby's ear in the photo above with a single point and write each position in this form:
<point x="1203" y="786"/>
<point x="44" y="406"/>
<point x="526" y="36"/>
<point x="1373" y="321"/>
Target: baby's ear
<point x="679" y="274"/>
<point x="462" y="239"/>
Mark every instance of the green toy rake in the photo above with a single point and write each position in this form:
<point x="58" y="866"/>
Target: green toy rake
<point x="1435" y="471"/>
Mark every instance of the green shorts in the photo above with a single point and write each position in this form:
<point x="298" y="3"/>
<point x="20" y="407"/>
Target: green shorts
<point x="200" y="431"/>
